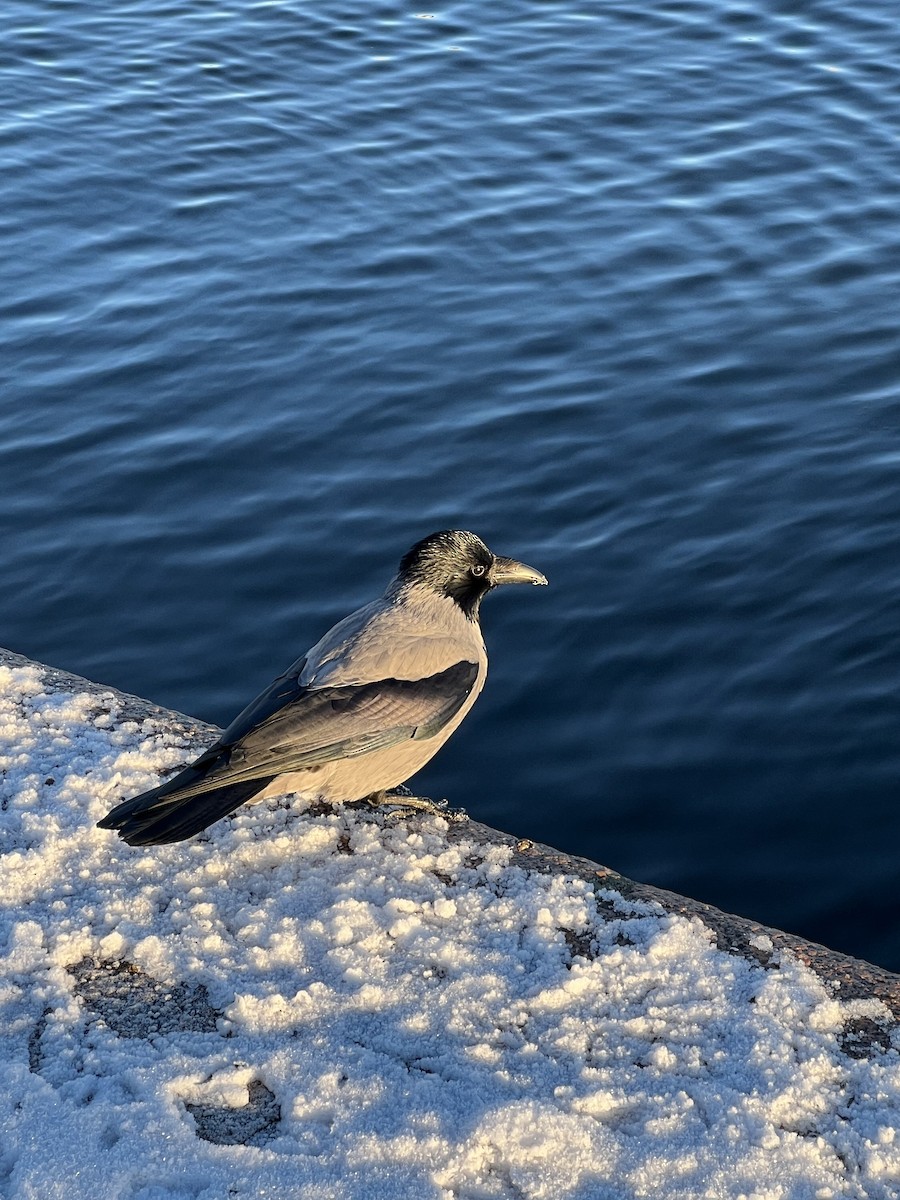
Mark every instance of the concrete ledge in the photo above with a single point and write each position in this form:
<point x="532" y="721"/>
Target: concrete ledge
<point x="358" y="1006"/>
<point x="851" y="978"/>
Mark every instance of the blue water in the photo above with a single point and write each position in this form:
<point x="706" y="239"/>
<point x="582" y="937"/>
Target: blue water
<point x="285" y="286"/>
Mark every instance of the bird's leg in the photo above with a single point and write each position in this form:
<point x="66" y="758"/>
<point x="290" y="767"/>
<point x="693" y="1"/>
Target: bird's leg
<point x="401" y="798"/>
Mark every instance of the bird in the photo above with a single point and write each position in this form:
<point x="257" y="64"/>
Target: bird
<point x="360" y="713"/>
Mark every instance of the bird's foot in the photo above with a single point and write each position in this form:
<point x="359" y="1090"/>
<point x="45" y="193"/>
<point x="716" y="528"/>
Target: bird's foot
<point x="402" y="803"/>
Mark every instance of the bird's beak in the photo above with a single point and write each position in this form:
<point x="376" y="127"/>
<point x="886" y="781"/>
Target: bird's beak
<point x="507" y="570"/>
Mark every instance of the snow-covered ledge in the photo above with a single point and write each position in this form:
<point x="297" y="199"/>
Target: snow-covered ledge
<point x="341" y="1005"/>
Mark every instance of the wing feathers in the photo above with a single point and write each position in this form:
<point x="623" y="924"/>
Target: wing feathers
<point x="328" y="722"/>
<point x="289" y="728"/>
<point x="180" y="816"/>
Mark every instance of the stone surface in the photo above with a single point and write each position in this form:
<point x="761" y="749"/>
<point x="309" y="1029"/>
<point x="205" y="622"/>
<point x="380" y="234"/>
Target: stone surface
<point x="849" y="978"/>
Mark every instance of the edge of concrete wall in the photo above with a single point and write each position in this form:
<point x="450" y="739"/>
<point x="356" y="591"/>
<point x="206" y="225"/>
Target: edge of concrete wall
<point x="849" y="978"/>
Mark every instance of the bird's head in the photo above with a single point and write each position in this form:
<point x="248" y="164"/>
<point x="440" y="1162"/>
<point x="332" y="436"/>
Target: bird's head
<point x="457" y="564"/>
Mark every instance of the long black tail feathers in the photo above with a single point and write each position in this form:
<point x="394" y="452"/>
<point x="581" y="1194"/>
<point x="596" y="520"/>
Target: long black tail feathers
<point x="152" y="820"/>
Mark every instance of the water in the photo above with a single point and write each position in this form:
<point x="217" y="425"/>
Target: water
<point x="284" y="287"/>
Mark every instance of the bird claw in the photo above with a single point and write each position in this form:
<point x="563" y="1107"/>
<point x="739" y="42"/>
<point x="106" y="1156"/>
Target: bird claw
<point x="402" y="803"/>
<point x="456" y="816"/>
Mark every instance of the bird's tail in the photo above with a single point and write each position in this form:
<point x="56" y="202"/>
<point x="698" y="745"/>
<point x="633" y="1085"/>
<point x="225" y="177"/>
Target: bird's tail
<point x="176" y="810"/>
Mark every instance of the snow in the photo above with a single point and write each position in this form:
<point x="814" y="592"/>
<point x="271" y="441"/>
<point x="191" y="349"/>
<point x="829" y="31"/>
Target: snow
<point x="350" y="1005"/>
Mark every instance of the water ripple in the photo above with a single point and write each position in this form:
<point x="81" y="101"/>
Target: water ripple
<point x="285" y="286"/>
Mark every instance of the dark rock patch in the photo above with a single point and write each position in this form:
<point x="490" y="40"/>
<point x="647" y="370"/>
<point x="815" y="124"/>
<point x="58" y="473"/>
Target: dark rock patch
<point x="252" y="1125"/>
<point x="135" y="1005"/>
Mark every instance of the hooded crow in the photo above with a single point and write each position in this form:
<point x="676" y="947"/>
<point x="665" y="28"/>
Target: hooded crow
<point x="361" y="712"/>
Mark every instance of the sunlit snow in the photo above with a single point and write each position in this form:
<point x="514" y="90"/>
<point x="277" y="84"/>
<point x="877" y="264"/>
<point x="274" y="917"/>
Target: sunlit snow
<point x="347" y="1005"/>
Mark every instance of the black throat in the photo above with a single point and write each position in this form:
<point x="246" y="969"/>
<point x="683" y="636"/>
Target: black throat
<point x="468" y="594"/>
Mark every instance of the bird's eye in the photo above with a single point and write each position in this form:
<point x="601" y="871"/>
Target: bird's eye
<point x="478" y="570"/>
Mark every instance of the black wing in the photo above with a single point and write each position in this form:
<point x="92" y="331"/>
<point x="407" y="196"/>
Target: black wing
<point x="290" y="727"/>
<point x="318" y="725"/>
